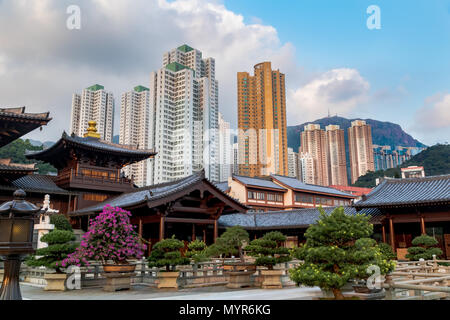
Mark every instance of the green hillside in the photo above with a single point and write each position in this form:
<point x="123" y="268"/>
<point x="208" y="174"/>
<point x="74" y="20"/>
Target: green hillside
<point x="435" y="161"/>
<point x="16" y="151"/>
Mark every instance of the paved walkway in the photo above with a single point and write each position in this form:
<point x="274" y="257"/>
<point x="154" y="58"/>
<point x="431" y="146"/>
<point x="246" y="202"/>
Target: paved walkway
<point x="142" y="292"/>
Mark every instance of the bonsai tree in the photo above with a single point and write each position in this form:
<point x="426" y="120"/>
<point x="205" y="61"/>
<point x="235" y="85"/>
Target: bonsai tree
<point x="424" y="247"/>
<point x="268" y="250"/>
<point x="336" y="250"/>
<point x="196" y="251"/>
<point x="166" y="253"/>
<point x="60" y="245"/>
<point x="110" y="238"/>
<point x="230" y="243"/>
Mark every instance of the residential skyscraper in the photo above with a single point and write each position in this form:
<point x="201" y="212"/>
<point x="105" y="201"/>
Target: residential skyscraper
<point x="94" y="103"/>
<point x="306" y="168"/>
<point x="184" y="116"/>
<point x="337" y="167"/>
<point x="292" y="163"/>
<point x="134" y="130"/>
<point x="314" y="142"/>
<point x="360" y="149"/>
<point x="235" y="166"/>
<point x="262" y="122"/>
<point x="225" y="149"/>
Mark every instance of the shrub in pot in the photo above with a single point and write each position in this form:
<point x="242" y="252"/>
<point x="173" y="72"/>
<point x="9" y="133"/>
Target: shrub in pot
<point x="424" y="247"/>
<point x="166" y="253"/>
<point x="60" y="245"/>
<point x="231" y="243"/>
<point x="111" y="239"/>
<point x="196" y="251"/>
<point x="269" y="251"/>
<point x="334" y="251"/>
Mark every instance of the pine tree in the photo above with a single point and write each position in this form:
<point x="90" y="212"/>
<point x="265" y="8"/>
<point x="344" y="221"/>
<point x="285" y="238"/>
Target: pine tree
<point x="268" y="250"/>
<point x="424" y="247"/>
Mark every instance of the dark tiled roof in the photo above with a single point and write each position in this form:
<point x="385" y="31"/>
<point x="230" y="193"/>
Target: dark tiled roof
<point x="36" y="183"/>
<point x="407" y="192"/>
<point x="19" y="112"/>
<point x="297" y="184"/>
<point x="150" y="193"/>
<point x="288" y="219"/>
<point x="94" y="144"/>
<point x="18" y="167"/>
<point x="258" y="182"/>
<point x="223" y="186"/>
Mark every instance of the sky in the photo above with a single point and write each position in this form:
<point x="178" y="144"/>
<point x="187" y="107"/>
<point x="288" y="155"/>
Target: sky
<point x="333" y="62"/>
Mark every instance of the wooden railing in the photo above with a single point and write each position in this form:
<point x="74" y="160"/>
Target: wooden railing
<point x="419" y="280"/>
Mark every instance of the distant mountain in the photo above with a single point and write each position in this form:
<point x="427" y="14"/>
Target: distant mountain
<point x="38" y="143"/>
<point x="383" y="133"/>
<point x="434" y="160"/>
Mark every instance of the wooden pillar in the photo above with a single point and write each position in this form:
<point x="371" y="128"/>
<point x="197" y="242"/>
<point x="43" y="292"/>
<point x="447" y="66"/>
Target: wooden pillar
<point x="422" y="225"/>
<point x="391" y="233"/>
<point x="161" y="228"/>
<point x="204" y="235"/>
<point x="140" y="228"/>
<point x="383" y="232"/>
<point x="216" y="230"/>
<point x="193" y="231"/>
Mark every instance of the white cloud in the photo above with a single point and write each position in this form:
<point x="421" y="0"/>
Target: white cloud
<point x="118" y="46"/>
<point x="339" y="90"/>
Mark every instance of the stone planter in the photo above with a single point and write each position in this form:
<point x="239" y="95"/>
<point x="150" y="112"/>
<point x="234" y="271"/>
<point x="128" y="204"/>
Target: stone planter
<point x="272" y="279"/>
<point x="55" y="281"/>
<point x="168" y="280"/>
<point x="239" y="274"/>
<point x="362" y="288"/>
<point x="118" y="277"/>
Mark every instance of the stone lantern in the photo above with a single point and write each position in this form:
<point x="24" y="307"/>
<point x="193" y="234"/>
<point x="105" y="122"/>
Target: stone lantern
<point x="16" y="241"/>
<point x="44" y="225"/>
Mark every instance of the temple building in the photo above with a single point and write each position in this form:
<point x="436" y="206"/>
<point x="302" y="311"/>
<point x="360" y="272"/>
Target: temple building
<point x="411" y="207"/>
<point x="188" y="208"/>
<point x="276" y="192"/>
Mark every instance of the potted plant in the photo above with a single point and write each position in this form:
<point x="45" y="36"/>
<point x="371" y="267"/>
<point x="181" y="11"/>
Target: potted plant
<point x="334" y="251"/>
<point x="424" y="247"/>
<point x="60" y="245"/>
<point x="269" y="251"/>
<point x="112" y="240"/>
<point x="231" y="243"/>
<point x="166" y="253"/>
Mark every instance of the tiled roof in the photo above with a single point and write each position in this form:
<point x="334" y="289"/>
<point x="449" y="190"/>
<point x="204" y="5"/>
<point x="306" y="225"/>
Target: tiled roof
<point x="298" y="218"/>
<point x="16" y="167"/>
<point x="410" y="191"/>
<point x="19" y="112"/>
<point x="223" y="186"/>
<point x="149" y="193"/>
<point x="36" y="183"/>
<point x="297" y="184"/>
<point x="95" y="144"/>
<point x="258" y="182"/>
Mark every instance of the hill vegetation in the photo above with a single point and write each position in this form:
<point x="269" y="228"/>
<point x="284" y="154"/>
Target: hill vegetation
<point x="435" y="161"/>
<point x="16" y="152"/>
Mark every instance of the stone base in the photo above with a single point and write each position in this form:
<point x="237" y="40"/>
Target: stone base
<point x="239" y="279"/>
<point x="55" y="281"/>
<point x="117" y="281"/>
<point x="168" y="280"/>
<point x="271" y="279"/>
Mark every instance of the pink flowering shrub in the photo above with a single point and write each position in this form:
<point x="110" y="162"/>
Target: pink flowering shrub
<point x="110" y="237"/>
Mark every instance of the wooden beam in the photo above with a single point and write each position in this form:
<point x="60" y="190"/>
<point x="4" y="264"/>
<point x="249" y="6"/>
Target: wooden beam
<point x="383" y="232"/>
<point x="161" y="227"/>
<point x="140" y="228"/>
<point x="195" y="210"/>
<point x="422" y="225"/>
<point x="216" y="230"/>
<point x="189" y="220"/>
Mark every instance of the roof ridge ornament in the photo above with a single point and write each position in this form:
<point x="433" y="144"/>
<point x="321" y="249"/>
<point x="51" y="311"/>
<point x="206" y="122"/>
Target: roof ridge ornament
<point x="92" y="130"/>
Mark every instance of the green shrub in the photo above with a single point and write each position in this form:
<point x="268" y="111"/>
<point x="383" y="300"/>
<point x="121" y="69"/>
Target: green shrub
<point x="268" y="250"/>
<point x="229" y="243"/>
<point x="196" y="251"/>
<point x="337" y="249"/>
<point x="166" y="253"/>
<point x="424" y="248"/>
<point x="60" y="222"/>
<point x="386" y="251"/>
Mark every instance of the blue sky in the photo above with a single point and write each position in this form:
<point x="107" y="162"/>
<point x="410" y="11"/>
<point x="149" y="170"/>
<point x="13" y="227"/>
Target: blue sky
<point x="332" y="61"/>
